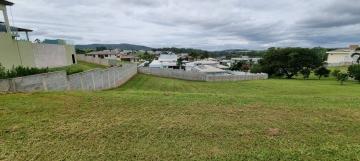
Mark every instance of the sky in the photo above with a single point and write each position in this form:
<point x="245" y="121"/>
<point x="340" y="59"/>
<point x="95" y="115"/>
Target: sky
<point x="203" y="24"/>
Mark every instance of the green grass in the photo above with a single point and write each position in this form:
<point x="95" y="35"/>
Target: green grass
<point x="341" y="68"/>
<point x="79" y="67"/>
<point x="152" y="118"/>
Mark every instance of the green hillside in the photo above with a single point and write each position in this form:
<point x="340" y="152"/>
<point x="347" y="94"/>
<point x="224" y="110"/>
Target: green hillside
<point x="152" y="118"/>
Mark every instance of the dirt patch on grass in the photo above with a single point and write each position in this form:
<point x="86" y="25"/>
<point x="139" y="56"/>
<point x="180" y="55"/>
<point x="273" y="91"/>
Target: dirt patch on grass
<point x="273" y="132"/>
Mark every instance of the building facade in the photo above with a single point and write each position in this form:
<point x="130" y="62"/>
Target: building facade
<point x="15" y="52"/>
<point x="343" y="57"/>
<point x="168" y="60"/>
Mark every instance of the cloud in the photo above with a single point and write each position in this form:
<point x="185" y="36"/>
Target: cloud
<point x="206" y="24"/>
<point x="335" y="14"/>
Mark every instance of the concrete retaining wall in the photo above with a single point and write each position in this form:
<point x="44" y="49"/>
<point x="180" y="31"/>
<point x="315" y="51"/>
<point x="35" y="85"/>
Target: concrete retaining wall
<point x="102" y="79"/>
<point x="90" y="59"/>
<point x="237" y="77"/>
<point x="174" y="73"/>
<point x="96" y="79"/>
<point x="186" y="75"/>
<point x="55" y="81"/>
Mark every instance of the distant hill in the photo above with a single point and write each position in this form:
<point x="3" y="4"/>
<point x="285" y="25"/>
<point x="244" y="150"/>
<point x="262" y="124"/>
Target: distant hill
<point x="114" y="46"/>
<point x="232" y="53"/>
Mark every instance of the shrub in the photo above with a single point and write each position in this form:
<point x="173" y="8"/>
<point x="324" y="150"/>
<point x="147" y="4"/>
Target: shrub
<point x="20" y="71"/>
<point x="305" y="72"/>
<point x="335" y="72"/>
<point x="354" y="71"/>
<point x="70" y="71"/>
<point x="238" y="66"/>
<point x="342" y="77"/>
<point x="245" y="67"/>
<point x="256" y="68"/>
<point x="2" y="72"/>
<point x="322" y="72"/>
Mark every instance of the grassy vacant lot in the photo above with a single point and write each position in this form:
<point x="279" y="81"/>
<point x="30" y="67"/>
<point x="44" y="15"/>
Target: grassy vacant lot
<point x="79" y="67"/>
<point x="153" y="118"/>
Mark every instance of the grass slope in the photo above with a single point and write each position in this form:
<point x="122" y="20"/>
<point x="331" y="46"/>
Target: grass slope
<point x="153" y="118"/>
<point x="79" y="67"/>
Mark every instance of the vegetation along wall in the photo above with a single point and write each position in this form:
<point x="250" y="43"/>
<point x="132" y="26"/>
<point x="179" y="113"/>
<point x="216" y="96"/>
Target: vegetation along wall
<point x="97" y="79"/>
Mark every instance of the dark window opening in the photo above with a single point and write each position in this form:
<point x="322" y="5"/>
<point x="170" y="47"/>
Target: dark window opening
<point x="73" y="59"/>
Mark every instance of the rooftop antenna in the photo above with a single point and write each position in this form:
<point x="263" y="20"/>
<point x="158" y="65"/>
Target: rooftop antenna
<point x="16" y="33"/>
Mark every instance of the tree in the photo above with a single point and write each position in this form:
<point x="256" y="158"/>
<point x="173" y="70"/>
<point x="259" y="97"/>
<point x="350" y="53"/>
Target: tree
<point x="335" y="73"/>
<point x="356" y="54"/>
<point x="180" y="62"/>
<point x="245" y="67"/>
<point x="238" y="66"/>
<point x="354" y="71"/>
<point x="305" y="72"/>
<point x="80" y="51"/>
<point x="194" y="54"/>
<point x="37" y="41"/>
<point x="322" y="72"/>
<point x="342" y="77"/>
<point x="290" y="61"/>
<point x="256" y="68"/>
<point x="101" y="48"/>
<point x="147" y="57"/>
<point x="321" y="52"/>
<point x="204" y="55"/>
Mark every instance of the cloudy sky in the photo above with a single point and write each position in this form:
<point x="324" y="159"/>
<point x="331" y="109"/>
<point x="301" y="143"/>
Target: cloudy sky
<point x="205" y="24"/>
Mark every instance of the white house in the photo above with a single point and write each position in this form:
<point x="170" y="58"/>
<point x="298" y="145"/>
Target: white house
<point x="115" y="54"/>
<point x="215" y="64"/>
<point x="245" y="58"/>
<point x="209" y="70"/>
<point x="168" y="60"/>
<point x="341" y="57"/>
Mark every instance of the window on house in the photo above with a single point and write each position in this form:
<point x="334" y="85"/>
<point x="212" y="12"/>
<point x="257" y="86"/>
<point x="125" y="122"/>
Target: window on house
<point x="2" y="18"/>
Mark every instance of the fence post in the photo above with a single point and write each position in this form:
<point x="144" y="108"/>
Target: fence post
<point x="93" y="80"/>
<point x="44" y="83"/>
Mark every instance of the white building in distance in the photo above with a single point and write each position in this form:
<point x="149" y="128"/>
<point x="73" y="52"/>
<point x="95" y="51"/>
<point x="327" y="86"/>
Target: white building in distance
<point x="343" y="57"/>
<point x="245" y="58"/>
<point x="168" y="60"/>
<point x="215" y="64"/>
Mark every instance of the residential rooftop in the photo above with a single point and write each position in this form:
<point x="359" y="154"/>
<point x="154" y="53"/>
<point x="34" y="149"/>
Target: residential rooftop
<point x="3" y="28"/>
<point x="106" y="52"/>
<point x="6" y="3"/>
<point x="168" y="57"/>
<point x="208" y="69"/>
<point x="350" y="49"/>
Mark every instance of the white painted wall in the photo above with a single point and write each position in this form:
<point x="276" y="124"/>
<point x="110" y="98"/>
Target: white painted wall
<point x="339" y="58"/>
<point x="48" y="55"/>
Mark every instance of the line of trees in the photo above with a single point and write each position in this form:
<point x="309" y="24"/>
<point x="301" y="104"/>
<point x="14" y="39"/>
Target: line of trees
<point x="353" y="72"/>
<point x="289" y="62"/>
<point x="195" y="53"/>
<point x="146" y="56"/>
